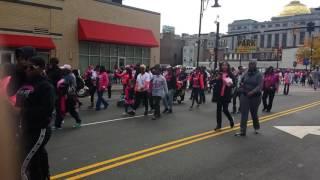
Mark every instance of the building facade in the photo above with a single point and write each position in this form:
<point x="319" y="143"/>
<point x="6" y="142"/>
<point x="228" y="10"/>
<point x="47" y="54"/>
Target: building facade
<point x="284" y="32"/>
<point x="207" y="46"/>
<point x="171" y="47"/>
<point x="82" y="32"/>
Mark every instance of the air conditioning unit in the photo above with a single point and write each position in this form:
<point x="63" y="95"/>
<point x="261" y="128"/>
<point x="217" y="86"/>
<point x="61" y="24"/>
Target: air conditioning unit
<point x="40" y="30"/>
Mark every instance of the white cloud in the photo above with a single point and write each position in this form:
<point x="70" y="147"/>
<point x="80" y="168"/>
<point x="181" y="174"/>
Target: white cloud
<point x="184" y="14"/>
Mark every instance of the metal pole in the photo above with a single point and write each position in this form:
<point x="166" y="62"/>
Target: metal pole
<point x="199" y="41"/>
<point x="240" y="59"/>
<point x="216" y="50"/>
<point x="311" y="52"/>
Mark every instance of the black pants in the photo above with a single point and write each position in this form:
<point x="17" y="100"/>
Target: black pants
<point x="236" y="96"/>
<point x="141" y="96"/>
<point x="70" y="103"/>
<point x="127" y="106"/>
<point x="195" y="96"/>
<point x="35" y="164"/>
<point x="109" y="91"/>
<point x="249" y="104"/>
<point x="150" y="97"/>
<point x="202" y="96"/>
<point x="223" y="106"/>
<point x="92" y="91"/>
<point x="268" y="95"/>
<point x="156" y="105"/>
<point x="286" y="89"/>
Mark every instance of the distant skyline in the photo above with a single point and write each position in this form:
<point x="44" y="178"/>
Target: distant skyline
<point x="184" y="14"/>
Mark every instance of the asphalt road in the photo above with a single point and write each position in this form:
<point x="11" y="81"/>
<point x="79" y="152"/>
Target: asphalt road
<point x="189" y="148"/>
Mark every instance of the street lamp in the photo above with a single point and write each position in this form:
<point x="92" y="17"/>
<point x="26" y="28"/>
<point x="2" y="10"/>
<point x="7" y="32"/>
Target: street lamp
<point x="310" y="29"/>
<point x="216" y="49"/>
<point x="202" y="9"/>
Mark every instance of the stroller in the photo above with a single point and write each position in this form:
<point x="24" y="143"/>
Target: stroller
<point x="121" y="101"/>
<point x="180" y="92"/>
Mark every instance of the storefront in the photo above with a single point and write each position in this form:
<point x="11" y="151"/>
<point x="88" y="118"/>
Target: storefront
<point x="9" y="42"/>
<point x="113" y="45"/>
<point x="82" y="32"/>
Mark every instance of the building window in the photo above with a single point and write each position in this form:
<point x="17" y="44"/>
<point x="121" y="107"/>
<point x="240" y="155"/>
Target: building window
<point x="263" y="26"/>
<point x="277" y="25"/>
<point x="302" y="23"/>
<point x="255" y="27"/>
<point x="284" y="40"/>
<point x="110" y="55"/>
<point x="276" y="40"/>
<point x="269" y="40"/>
<point x="269" y="25"/>
<point x="239" y="27"/>
<point x="255" y="37"/>
<point x="285" y="24"/>
<point x="302" y="37"/>
<point x="261" y="41"/>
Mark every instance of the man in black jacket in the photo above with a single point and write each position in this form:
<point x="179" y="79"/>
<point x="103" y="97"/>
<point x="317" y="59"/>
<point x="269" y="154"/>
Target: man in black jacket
<point x="36" y="98"/>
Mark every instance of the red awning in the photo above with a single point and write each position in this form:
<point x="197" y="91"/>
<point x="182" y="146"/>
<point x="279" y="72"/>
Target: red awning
<point x="112" y="33"/>
<point x="12" y="41"/>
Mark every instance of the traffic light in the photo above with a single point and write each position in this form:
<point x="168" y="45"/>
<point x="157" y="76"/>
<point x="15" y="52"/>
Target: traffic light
<point x="310" y="27"/>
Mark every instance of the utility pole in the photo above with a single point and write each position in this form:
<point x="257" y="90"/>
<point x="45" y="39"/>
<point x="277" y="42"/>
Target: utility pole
<point x="199" y="34"/>
<point x="216" y="50"/>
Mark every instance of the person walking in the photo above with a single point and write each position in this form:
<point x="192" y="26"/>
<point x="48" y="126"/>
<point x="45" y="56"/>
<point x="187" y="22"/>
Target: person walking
<point x="159" y="89"/>
<point x="36" y="98"/>
<point x="110" y="83"/>
<point x="142" y="88"/>
<point x="270" y="86"/>
<point x="223" y="93"/>
<point x="287" y="81"/>
<point x="171" y="82"/>
<point x="315" y="77"/>
<point x="250" y="98"/>
<point x="103" y="81"/>
<point x="129" y="98"/>
<point x="67" y="98"/>
<point x="91" y="83"/>
<point x="236" y="93"/>
<point x="197" y="84"/>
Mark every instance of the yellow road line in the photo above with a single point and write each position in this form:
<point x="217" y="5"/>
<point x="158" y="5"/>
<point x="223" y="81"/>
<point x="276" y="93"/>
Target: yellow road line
<point x="178" y="146"/>
<point x="224" y="130"/>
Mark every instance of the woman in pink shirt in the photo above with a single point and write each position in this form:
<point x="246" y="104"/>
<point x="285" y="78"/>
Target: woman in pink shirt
<point x="223" y="93"/>
<point x="270" y="85"/>
<point x="103" y="81"/>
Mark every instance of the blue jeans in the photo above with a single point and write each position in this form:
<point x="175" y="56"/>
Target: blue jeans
<point x="168" y="99"/>
<point x="101" y="100"/>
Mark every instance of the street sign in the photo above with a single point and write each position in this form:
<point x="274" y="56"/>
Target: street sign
<point x="246" y="46"/>
<point x="300" y="131"/>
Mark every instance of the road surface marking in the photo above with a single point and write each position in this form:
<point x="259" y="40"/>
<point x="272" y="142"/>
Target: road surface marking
<point x="300" y="131"/>
<point x="169" y="146"/>
<point x="111" y="120"/>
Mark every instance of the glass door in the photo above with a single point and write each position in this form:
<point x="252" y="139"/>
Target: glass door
<point x="121" y="62"/>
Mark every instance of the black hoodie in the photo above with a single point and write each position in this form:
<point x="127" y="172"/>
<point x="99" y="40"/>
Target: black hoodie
<point x="36" y="100"/>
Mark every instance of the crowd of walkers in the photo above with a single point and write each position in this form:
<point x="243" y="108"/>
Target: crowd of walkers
<point x="40" y="93"/>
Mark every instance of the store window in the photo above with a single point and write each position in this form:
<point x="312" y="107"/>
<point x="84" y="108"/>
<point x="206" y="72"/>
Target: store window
<point x="111" y="55"/>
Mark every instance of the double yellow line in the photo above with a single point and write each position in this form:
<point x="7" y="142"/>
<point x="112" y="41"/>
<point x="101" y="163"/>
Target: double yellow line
<point x="132" y="157"/>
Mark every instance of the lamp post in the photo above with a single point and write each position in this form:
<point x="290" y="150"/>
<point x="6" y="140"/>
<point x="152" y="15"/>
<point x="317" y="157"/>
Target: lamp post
<point x="216" y="49"/>
<point x="216" y="5"/>
<point x="310" y="29"/>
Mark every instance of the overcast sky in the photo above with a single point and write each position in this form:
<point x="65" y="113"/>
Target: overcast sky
<point x="184" y="14"/>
